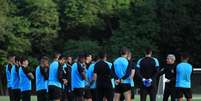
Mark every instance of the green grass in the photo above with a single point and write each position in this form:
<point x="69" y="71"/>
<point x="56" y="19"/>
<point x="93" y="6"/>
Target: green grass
<point x="137" y="98"/>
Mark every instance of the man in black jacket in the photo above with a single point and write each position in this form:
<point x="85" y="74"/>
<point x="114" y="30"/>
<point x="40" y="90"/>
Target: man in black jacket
<point x="170" y="74"/>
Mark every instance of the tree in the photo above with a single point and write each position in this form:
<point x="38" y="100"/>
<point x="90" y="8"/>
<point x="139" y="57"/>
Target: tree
<point x="73" y="47"/>
<point x="138" y="28"/>
<point x="44" y="23"/>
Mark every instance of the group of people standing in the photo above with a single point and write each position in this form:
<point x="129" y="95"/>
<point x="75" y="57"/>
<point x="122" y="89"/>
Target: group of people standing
<point x="97" y="79"/>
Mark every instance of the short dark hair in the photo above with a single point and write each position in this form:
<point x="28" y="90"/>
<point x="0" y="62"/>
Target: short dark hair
<point x="45" y="58"/>
<point x="10" y="56"/>
<point x="67" y="56"/>
<point x="102" y="55"/>
<point x="82" y="55"/>
<point x="62" y="57"/>
<point x="148" y="50"/>
<point x="22" y="59"/>
<point x="17" y="58"/>
<point x="124" y="51"/>
<point x="56" y="55"/>
<point x="88" y="54"/>
<point x="185" y="55"/>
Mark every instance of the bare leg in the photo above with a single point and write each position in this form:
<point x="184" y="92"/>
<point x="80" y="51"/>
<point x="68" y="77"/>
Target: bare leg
<point x="180" y="99"/>
<point x="116" y="97"/>
<point x="127" y="95"/>
<point x="189" y="99"/>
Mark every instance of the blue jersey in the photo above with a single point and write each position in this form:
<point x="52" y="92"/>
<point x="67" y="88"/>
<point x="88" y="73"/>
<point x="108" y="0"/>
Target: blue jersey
<point x="41" y="83"/>
<point x="25" y="82"/>
<point x="90" y="73"/>
<point x="15" y="80"/>
<point x="53" y="75"/>
<point x="183" y="75"/>
<point x="76" y="78"/>
<point x="8" y="75"/>
<point x="120" y="68"/>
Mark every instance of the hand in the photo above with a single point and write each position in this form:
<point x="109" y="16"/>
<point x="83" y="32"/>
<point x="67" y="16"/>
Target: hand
<point x="121" y="80"/>
<point x="117" y="82"/>
<point x="65" y="81"/>
<point x="166" y="80"/>
<point x="143" y="79"/>
<point x="31" y="75"/>
<point x="150" y="80"/>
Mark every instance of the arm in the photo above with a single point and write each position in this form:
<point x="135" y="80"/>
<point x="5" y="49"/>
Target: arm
<point x="82" y="72"/>
<point x="157" y="66"/>
<point x="28" y="73"/>
<point x="43" y="72"/>
<point x="138" y="69"/>
<point x="128" y="73"/>
<point x="113" y="73"/>
<point x="132" y="73"/>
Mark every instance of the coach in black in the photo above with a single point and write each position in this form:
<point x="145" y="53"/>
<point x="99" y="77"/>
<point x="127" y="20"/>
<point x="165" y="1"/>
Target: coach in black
<point x="147" y="69"/>
<point x="170" y="75"/>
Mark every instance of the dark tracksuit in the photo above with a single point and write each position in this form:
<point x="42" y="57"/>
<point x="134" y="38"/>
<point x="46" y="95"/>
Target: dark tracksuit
<point x="170" y="74"/>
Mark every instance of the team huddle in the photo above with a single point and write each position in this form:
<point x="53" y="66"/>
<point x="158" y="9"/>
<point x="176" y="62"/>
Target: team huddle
<point x="96" y="79"/>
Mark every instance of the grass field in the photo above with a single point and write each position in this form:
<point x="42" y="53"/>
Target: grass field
<point x="33" y="98"/>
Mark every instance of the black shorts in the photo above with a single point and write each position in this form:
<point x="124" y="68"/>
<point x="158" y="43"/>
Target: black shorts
<point x="107" y="93"/>
<point x="16" y="94"/>
<point x="54" y="92"/>
<point x="88" y="93"/>
<point x="42" y="95"/>
<point x="10" y="94"/>
<point x="26" y="95"/>
<point x="122" y="88"/>
<point x="79" y="92"/>
<point x="187" y="92"/>
<point x="93" y="93"/>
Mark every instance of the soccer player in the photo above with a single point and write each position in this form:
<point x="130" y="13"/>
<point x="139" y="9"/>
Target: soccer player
<point x="67" y="95"/>
<point x="11" y="61"/>
<point x="103" y="76"/>
<point x="92" y="82"/>
<point x="132" y="70"/>
<point x="56" y="81"/>
<point x="183" y="78"/>
<point x="15" y="80"/>
<point x="88" y="94"/>
<point x="122" y="76"/>
<point x="147" y="69"/>
<point x="25" y="79"/>
<point x="42" y="79"/>
<point x="78" y="78"/>
<point x="170" y="75"/>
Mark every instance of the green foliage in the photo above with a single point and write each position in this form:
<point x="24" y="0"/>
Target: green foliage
<point x="33" y="63"/>
<point x="44" y="20"/>
<point x="73" y="47"/>
<point x="3" y="56"/>
<point x="138" y="29"/>
<point x="37" y="27"/>
<point x="80" y="13"/>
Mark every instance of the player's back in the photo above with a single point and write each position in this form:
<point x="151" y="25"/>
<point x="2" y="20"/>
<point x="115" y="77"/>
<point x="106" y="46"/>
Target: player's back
<point x="53" y="74"/>
<point x="183" y="75"/>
